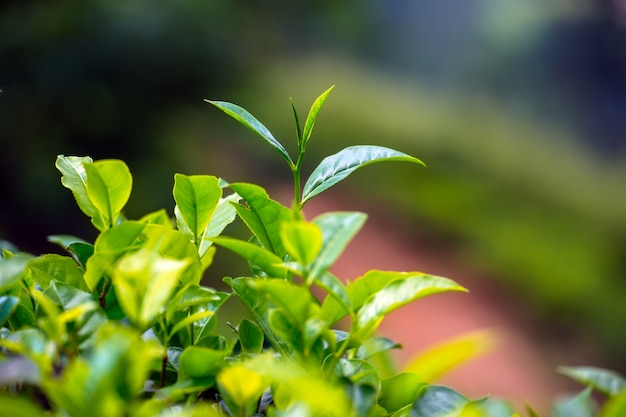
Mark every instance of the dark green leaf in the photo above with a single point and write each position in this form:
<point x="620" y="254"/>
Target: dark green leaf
<point x="438" y="401"/>
<point x="8" y="304"/>
<point x="375" y="345"/>
<point x="606" y="381"/>
<point x="245" y="118"/>
<point x="337" y="167"/>
<point x="250" y="336"/>
<point x="199" y="362"/>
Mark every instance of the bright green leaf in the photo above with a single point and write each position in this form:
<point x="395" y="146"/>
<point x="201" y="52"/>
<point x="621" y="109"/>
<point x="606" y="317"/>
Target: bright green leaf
<point x="263" y="216"/>
<point x="196" y="198"/>
<point x="56" y="267"/>
<point x="398" y="293"/>
<point x="109" y="184"/>
<point x="337" y="167"/>
<point x="159" y="217"/>
<point x="302" y="240"/>
<point x="256" y="255"/>
<point x="13" y="406"/>
<point x="338" y="229"/>
<point x="446" y="356"/>
<point x="312" y="116"/>
<point x="245" y="118"/>
<point x="615" y="406"/>
<point x="241" y="388"/>
<point x="199" y="362"/>
<point x="606" y="381"/>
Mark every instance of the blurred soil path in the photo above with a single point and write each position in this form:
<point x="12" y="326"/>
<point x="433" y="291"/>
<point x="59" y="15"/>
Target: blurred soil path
<point x="516" y="368"/>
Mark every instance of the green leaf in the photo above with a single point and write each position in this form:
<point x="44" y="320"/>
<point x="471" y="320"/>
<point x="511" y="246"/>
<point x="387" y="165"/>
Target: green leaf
<point x="241" y="388"/>
<point x="196" y="198"/>
<point x="77" y="247"/>
<point x="438" y="401"/>
<point x="337" y="167"/>
<point x="310" y="120"/>
<point x="11" y="270"/>
<point x="399" y="390"/>
<point x="263" y="216"/>
<point x="336" y="291"/>
<point x="446" y="356"/>
<point x="250" y="337"/>
<point x="190" y="319"/>
<point x="199" y="362"/>
<point x="159" y="217"/>
<point x="13" y="406"/>
<point x="245" y="118"/>
<point x="399" y="292"/>
<point x="74" y="177"/>
<point x="109" y="184"/>
<point x="302" y="240"/>
<point x="581" y="405"/>
<point x="615" y="406"/>
<point x="376" y="345"/>
<point x="338" y="229"/>
<point x="294" y="300"/>
<point x="257" y="303"/>
<point x="223" y="215"/>
<point x="256" y="255"/>
<point x="606" y="381"/>
<point x="143" y="283"/>
<point x="8" y="304"/>
<point x="56" y="267"/>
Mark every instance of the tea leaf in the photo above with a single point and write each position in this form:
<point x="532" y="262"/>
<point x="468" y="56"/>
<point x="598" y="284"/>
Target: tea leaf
<point x="312" y="116"/>
<point x="263" y="216"/>
<point x="399" y="292"/>
<point x="256" y="255"/>
<point x="608" y="382"/>
<point x="11" y="270"/>
<point x="337" y="167"/>
<point x="197" y="197"/>
<point x="400" y="390"/>
<point x="302" y="240"/>
<point x="338" y="229"/>
<point x="438" y="401"/>
<point x="245" y="118"/>
<point x="8" y="304"/>
<point x="56" y="267"/>
<point x="296" y="301"/>
<point x="438" y="360"/>
<point x="109" y="184"/>
<point x="250" y="336"/>
<point x="199" y="362"/>
<point x="74" y="177"/>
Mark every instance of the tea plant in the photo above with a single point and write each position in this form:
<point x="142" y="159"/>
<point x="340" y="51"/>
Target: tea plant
<point x="124" y="326"/>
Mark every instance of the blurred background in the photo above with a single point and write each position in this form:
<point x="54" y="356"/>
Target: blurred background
<point x="517" y="107"/>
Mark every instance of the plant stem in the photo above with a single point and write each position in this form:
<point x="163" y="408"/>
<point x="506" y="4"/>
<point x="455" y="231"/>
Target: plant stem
<point x="163" y="369"/>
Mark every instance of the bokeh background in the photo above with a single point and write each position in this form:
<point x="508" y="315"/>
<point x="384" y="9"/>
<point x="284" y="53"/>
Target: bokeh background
<point x="517" y="107"/>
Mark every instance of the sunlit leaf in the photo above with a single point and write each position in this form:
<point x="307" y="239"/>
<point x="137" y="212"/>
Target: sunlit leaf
<point x="302" y="240"/>
<point x="337" y="167"/>
<point x="245" y="118"/>
<point x="223" y="215"/>
<point x="312" y="116"/>
<point x="446" y="356"/>
<point x="338" y="229"/>
<point x="398" y="293"/>
<point x="241" y="388"/>
<point x="263" y="216"/>
<point x="196" y="198"/>
<point x="109" y="184"/>
<point x="400" y="390"/>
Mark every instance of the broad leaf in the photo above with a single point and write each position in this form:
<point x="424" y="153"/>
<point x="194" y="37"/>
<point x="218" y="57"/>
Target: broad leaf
<point x="338" y="229"/>
<point x="400" y="390"/>
<point x="250" y="337"/>
<point x="399" y="292"/>
<point x="337" y="167"/>
<point x="74" y="177"/>
<point x="109" y="184"/>
<point x="296" y="301"/>
<point x="56" y="267"/>
<point x="608" y="382"/>
<point x="245" y="118"/>
<point x="438" y="401"/>
<point x="263" y="216"/>
<point x="302" y="240"/>
<point x="310" y="120"/>
<point x="337" y="292"/>
<point x="257" y="256"/>
<point x="199" y="362"/>
<point x="196" y="198"/>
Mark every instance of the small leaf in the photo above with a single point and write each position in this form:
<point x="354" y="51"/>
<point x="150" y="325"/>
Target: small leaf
<point x="438" y="401"/>
<point x="302" y="240"/>
<point x="8" y="304"/>
<point x="263" y="216"/>
<point x="245" y="118"/>
<point x="338" y="229"/>
<point x="448" y="355"/>
<point x="250" y="336"/>
<point x="337" y="167"/>
<point x="196" y="198"/>
<point x="398" y="293"/>
<point x="190" y="319"/>
<point x="606" y="381"/>
<point x="310" y="120"/>
<point x="256" y="255"/>
<point x="109" y="184"/>
<point x="336" y="291"/>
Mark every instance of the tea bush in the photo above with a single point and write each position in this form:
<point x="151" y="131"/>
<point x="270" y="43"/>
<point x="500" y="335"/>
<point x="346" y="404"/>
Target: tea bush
<point x="124" y="326"/>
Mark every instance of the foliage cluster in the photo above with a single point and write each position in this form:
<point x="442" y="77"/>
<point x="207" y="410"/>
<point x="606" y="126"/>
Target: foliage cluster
<point x="124" y="327"/>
